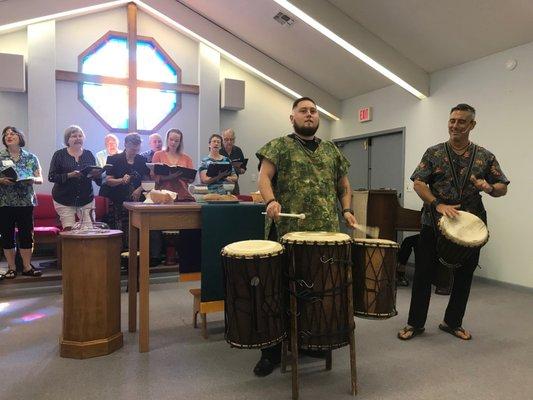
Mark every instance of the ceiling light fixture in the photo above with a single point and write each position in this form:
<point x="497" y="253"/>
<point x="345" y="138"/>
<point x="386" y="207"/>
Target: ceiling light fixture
<point x="84" y="10"/>
<point x="348" y="47"/>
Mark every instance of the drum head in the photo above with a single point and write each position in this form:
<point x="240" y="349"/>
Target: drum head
<point x="252" y="248"/>
<point x="374" y="242"/>
<point x="466" y="229"/>
<point x="316" y="237"/>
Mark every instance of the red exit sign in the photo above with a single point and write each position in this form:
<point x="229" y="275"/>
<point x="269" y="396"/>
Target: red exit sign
<point x="365" y="114"/>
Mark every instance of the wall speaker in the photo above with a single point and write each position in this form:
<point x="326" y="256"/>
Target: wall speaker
<point x="231" y="94"/>
<point x="13" y="76"/>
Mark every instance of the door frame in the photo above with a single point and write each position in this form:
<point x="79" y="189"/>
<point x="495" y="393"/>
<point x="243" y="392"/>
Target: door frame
<point x="340" y="141"/>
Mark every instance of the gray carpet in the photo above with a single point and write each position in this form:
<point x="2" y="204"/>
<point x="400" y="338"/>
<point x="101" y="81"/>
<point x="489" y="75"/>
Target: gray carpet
<point x="496" y="364"/>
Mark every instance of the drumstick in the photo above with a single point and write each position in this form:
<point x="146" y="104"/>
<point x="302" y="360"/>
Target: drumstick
<point x="288" y="215"/>
<point x="372" y="231"/>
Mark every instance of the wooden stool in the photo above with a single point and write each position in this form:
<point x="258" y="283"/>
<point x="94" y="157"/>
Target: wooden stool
<point x="196" y="292"/>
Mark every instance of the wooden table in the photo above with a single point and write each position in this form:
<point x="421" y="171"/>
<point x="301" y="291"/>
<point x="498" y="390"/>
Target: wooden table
<point x="143" y="219"/>
<point x="91" y="293"/>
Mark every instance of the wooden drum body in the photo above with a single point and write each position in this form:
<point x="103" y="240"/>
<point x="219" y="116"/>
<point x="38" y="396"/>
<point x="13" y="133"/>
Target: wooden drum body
<point x="374" y="266"/>
<point x="460" y="238"/>
<point x="253" y="307"/>
<point x="320" y="288"/>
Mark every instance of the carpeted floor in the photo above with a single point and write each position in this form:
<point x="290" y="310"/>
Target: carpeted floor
<point x="496" y="364"/>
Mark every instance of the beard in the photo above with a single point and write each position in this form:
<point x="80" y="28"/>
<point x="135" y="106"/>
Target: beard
<point x="303" y="130"/>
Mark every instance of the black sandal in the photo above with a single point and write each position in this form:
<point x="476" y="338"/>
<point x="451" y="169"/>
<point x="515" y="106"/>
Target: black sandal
<point x="32" y="272"/>
<point x="10" y="274"/>
<point x="415" y="332"/>
<point x="455" y="331"/>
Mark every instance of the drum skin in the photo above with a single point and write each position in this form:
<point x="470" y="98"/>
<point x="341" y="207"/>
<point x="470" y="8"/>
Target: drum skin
<point x="319" y="272"/>
<point x="460" y="238"/>
<point x="253" y="306"/>
<point x="374" y="272"/>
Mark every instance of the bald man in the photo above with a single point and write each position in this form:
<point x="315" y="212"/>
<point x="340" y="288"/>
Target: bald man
<point x="234" y="153"/>
<point x="155" y="141"/>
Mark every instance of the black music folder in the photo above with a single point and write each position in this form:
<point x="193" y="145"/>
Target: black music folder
<point x="214" y="169"/>
<point x="85" y="171"/>
<point x="164" y="169"/>
<point x="11" y="174"/>
<point x="239" y="163"/>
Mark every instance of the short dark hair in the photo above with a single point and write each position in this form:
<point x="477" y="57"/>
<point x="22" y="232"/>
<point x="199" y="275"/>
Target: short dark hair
<point x="133" y="138"/>
<point x="298" y="101"/>
<point x="22" y="140"/>
<point x="464" y="107"/>
<point x="175" y="130"/>
<point x="213" y="136"/>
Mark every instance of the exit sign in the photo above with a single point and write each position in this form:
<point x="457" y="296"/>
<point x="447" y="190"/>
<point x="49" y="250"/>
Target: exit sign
<point x="365" y="114"/>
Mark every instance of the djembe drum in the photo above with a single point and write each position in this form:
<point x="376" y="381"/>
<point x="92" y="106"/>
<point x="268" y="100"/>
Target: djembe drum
<point x="374" y="277"/>
<point x="460" y="238"/>
<point x="253" y="307"/>
<point x="319" y="270"/>
<point x="321" y="303"/>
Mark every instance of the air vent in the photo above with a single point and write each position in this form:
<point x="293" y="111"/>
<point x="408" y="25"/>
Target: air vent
<point x="283" y="19"/>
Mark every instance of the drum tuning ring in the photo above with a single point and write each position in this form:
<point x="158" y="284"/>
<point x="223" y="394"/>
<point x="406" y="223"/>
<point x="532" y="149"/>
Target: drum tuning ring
<point x="325" y="260"/>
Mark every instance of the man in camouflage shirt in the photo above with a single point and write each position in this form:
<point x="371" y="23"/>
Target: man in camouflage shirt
<point x="300" y="173"/>
<point x="445" y="182"/>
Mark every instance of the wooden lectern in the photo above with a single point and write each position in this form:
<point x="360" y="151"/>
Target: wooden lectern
<point x="91" y="293"/>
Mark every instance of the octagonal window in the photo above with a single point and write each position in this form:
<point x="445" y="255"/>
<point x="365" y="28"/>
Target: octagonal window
<point x="107" y="87"/>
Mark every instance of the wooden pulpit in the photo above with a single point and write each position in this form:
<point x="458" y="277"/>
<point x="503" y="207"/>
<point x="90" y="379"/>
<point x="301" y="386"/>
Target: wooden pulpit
<point x="91" y="293"/>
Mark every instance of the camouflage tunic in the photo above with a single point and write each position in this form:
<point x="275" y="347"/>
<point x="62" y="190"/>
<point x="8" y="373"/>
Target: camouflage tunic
<point x="305" y="182"/>
<point x="434" y="170"/>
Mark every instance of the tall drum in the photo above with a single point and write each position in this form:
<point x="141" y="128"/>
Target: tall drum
<point x="374" y="278"/>
<point x="253" y="307"/>
<point x="320" y="280"/>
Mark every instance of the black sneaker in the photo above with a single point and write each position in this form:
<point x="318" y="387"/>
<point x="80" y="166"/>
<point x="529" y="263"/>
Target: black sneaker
<point x="265" y="367"/>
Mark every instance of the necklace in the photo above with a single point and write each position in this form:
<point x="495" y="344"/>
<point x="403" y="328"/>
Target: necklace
<point x="459" y="151"/>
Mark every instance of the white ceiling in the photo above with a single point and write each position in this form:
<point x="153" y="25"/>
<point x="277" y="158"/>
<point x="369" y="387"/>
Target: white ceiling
<point x="433" y="34"/>
<point x="436" y="34"/>
<point x="409" y="37"/>
<point x="298" y="47"/>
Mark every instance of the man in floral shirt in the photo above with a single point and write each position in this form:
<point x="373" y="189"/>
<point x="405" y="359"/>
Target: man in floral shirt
<point x="450" y="177"/>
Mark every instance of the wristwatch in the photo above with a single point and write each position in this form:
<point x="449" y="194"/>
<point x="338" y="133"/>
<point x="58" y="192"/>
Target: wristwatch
<point x="347" y="210"/>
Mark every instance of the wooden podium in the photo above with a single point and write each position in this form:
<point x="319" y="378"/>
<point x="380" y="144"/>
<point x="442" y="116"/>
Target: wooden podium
<point x="91" y="294"/>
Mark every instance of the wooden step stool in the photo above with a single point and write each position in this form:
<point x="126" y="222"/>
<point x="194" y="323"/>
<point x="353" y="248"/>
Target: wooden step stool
<point x="196" y="292"/>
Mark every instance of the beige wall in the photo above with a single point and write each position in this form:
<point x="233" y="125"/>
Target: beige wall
<point x="14" y="106"/>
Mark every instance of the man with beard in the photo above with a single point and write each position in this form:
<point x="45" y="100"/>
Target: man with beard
<point x="301" y="173"/>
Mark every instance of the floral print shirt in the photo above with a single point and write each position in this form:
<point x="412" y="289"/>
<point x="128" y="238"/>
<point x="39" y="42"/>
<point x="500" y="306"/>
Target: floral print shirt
<point x="21" y="194"/>
<point x="435" y="170"/>
<point x="306" y="182"/>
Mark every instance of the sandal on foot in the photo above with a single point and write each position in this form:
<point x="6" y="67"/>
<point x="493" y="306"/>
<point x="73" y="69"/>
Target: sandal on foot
<point x="10" y="274"/>
<point x="32" y="272"/>
<point x="455" y="331"/>
<point x="414" y="332"/>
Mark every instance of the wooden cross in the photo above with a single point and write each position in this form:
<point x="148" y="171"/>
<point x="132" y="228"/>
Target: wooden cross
<point x="131" y="81"/>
